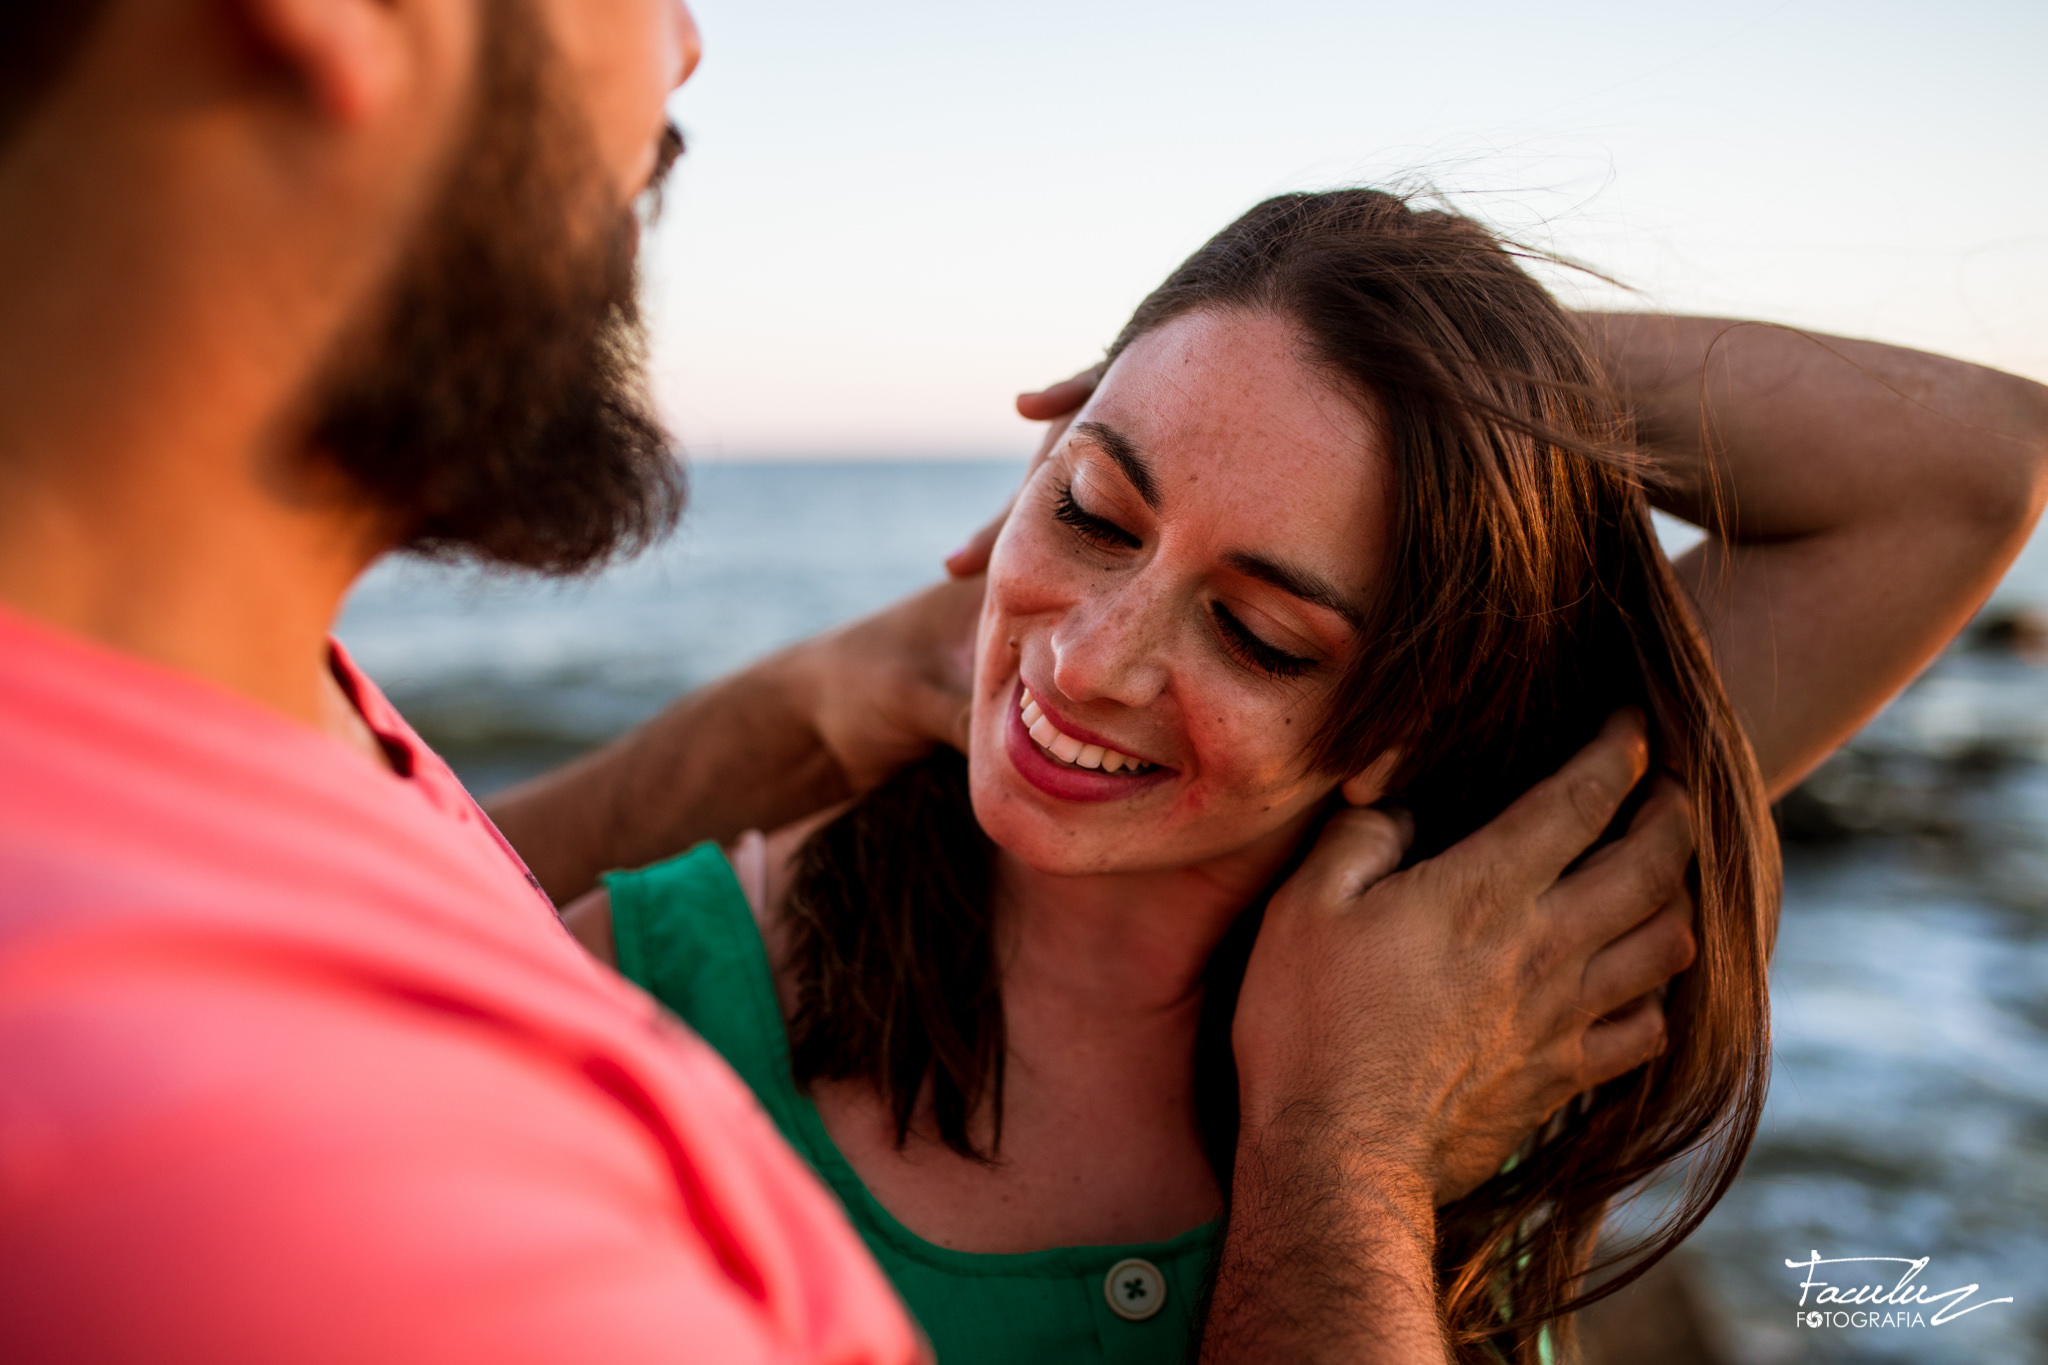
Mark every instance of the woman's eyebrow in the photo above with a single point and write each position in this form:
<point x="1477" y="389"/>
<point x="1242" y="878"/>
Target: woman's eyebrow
<point x="1298" y="582"/>
<point x="1124" y="451"/>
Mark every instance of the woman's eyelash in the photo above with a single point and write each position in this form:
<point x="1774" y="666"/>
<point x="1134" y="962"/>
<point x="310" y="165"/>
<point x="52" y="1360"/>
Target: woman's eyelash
<point x="1238" y="638"/>
<point x="1250" y="649"/>
<point x="1090" y="527"/>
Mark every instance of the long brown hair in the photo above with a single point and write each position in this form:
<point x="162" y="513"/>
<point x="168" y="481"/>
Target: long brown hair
<point x="1527" y="599"/>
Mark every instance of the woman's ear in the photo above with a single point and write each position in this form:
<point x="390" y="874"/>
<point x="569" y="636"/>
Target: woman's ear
<point x="1370" y="785"/>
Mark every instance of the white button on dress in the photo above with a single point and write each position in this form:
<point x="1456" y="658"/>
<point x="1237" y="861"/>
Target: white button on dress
<point x="1135" y="1289"/>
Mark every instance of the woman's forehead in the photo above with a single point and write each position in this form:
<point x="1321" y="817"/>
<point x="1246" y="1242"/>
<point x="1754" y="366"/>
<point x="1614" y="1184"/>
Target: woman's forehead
<point x="1237" y="427"/>
<point x="1239" y="376"/>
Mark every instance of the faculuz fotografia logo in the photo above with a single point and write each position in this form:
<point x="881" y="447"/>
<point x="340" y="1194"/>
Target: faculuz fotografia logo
<point x="1860" y="1291"/>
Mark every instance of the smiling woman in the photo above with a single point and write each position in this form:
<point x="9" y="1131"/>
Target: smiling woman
<point x="1189" y="573"/>
<point x="1355" y="513"/>
<point x="1347" y="518"/>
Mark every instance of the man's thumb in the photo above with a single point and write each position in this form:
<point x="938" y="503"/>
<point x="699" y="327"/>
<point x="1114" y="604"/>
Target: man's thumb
<point x="1356" y="849"/>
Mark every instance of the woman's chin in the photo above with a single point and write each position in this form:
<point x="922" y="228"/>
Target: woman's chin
<point x="1053" y="857"/>
<point x="1015" y="824"/>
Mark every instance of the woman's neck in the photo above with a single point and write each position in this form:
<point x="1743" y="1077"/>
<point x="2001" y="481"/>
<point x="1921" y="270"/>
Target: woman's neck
<point x="1121" y="951"/>
<point x="1102" y="999"/>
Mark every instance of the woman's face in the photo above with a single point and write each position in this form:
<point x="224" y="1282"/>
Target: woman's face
<point x="1171" y="604"/>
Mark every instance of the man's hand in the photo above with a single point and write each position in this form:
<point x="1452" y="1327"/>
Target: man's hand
<point x="884" y="690"/>
<point x="1444" y="1012"/>
<point x="1056" y="405"/>
<point x="799" y="731"/>
<point x="1400" y="1034"/>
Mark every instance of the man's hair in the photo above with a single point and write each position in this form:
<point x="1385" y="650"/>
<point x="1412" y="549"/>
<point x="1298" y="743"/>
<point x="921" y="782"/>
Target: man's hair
<point x="38" y="41"/>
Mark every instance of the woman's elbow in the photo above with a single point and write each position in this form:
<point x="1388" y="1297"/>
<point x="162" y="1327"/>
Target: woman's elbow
<point x="2001" y="492"/>
<point x="2032" y="400"/>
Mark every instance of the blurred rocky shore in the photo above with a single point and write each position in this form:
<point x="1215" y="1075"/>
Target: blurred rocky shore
<point x="1956" y="767"/>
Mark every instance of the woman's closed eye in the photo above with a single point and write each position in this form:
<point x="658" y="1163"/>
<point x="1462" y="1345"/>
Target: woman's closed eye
<point x="1239" y="640"/>
<point x="1248" y="649"/>
<point x="1098" y="531"/>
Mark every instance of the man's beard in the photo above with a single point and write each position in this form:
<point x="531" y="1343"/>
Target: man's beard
<point x="498" y="408"/>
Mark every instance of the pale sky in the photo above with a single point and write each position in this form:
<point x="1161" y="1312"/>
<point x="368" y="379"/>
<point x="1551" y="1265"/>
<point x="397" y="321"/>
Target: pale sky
<point x="895" y="215"/>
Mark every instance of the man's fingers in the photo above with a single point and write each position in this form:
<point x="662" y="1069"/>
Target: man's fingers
<point x="943" y="715"/>
<point x="972" y="557"/>
<point x="1061" y="400"/>
<point x="1057" y="400"/>
<point x="1631" y="879"/>
<point x="1641" y="960"/>
<point x="1356" y="849"/>
<point x="1555" y="821"/>
<point x="1617" y="1046"/>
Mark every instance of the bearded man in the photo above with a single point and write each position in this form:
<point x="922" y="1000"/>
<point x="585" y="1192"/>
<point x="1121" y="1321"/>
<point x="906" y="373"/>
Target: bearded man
<point x="296" y="1062"/>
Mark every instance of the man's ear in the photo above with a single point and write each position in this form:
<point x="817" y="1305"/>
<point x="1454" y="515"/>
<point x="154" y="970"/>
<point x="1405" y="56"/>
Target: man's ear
<point x="1370" y="785"/>
<point x="348" y="55"/>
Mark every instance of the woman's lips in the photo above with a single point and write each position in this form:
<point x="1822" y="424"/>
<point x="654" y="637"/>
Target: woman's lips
<point x="1044" y="766"/>
<point x="1080" y="752"/>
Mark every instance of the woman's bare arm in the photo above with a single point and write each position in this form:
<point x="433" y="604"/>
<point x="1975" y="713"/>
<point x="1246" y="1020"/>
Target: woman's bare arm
<point x="1870" y="497"/>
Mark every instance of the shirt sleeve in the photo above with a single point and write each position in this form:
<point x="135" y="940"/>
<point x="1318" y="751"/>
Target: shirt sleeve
<point x="221" y="1163"/>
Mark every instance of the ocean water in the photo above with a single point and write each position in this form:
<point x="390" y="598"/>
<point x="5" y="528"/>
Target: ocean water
<point x="1909" y="1106"/>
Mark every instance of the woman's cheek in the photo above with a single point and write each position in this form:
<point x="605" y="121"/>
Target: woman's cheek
<point x="1260" y="752"/>
<point x="1028" y="574"/>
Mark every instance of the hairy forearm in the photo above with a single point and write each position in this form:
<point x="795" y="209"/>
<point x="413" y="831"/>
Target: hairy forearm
<point x="820" y="722"/>
<point x="1328" y="1256"/>
<point x="739" y="754"/>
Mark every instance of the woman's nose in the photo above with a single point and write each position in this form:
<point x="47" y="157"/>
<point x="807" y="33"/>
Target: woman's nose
<point x="689" y="42"/>
<point x="1113" y="648"/>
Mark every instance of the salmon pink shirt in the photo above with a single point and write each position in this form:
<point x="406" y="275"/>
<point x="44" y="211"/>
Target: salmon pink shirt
<point x="297" y="1065"/>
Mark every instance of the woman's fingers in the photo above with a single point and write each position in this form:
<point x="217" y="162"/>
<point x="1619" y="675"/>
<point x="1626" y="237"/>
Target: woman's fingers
<point x="1641" y="960"/>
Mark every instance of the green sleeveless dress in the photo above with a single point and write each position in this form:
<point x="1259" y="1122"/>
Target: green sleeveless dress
<point x="686" y="934"/>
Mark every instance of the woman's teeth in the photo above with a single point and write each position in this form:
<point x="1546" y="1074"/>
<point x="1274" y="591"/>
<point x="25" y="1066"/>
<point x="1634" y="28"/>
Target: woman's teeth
<point x="1069" y="750"/>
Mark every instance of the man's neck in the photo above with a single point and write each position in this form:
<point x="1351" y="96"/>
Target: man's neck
<point x="222" y="579"/>
<point x="156" y="349"/>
